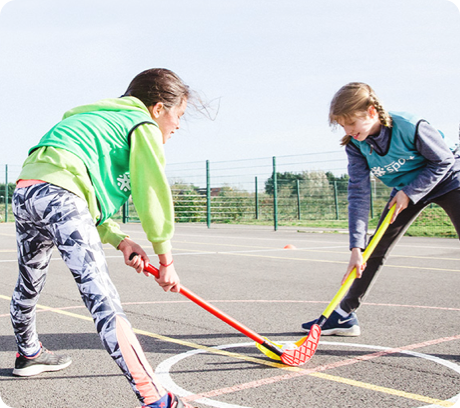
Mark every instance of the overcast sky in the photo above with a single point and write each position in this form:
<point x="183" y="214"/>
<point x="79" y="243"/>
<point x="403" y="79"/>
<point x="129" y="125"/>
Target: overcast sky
<point x="272" y="65"/>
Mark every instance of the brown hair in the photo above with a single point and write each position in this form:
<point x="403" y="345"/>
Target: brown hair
<point x="354" y="100"/>
<point x="158" y="85"/>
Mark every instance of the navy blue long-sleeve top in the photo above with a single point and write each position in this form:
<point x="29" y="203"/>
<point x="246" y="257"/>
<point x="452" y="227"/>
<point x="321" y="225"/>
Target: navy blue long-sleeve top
<point x="441" y="175"/>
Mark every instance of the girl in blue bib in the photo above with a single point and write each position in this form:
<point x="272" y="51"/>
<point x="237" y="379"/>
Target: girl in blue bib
<point x="403" y="151"/>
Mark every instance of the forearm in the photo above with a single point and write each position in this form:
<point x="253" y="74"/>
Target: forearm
<point x="165" y="259"/>
<point x="150" y="188"/>
<point x="358" y="198"/>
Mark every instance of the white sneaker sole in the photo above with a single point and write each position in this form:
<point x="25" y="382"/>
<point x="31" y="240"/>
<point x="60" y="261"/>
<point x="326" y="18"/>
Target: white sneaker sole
<point x="37" y="369"/>
<point x="353" y="331"/>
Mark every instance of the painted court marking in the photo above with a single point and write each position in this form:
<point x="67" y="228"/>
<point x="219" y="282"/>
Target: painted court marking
<point x="160" y="302"/>
<point x="164" y="368"/>
<point x="256" y="253"/>
<point x="248" y="253"/>
<point x="293" y="371"/>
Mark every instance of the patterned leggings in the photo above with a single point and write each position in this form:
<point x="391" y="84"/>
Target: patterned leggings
<point x="47" y="216"/>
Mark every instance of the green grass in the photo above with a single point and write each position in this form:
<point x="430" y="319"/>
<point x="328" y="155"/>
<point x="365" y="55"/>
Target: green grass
<point x="2" y="213"/>
<point x="432" y="222"/>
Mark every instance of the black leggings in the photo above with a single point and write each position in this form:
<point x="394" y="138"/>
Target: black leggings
<point x="450" y="203"/>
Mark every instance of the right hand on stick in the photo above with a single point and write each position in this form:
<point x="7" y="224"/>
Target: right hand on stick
<point x="356" y="261"/>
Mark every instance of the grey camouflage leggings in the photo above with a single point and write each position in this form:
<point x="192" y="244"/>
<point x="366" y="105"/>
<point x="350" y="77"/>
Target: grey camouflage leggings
<point x="48" y="216"/>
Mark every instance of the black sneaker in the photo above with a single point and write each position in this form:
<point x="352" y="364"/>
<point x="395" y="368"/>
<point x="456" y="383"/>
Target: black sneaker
<point x="337" y="325"/>
<point x="45" y="361"/>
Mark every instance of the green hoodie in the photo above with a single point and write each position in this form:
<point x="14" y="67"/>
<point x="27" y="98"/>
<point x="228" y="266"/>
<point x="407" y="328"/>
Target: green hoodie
<point x="53" y="161"/>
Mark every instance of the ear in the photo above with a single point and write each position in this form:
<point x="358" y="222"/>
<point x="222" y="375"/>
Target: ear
<point x="156" y="109"/>
<point x="372" y="112"/>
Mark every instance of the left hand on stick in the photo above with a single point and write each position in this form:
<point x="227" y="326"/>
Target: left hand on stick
<point x="128" y="246"/>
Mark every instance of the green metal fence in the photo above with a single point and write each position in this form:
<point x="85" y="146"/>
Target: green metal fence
<point x="290" y="201"/>
<point x="307" y="190"/>
<point x="257" y="192"/>
<point x="8" y="174"/>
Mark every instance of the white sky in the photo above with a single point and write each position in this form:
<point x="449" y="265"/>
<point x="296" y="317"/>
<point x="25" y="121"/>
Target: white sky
<point x="274" y="65"/>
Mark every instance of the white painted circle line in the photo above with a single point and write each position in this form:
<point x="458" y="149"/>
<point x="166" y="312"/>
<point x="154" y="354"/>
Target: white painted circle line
<point x="163" y="370"/>
<point x="445" y="363"/>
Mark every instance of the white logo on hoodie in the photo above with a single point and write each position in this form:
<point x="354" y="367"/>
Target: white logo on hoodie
<point x="124" y="182"/>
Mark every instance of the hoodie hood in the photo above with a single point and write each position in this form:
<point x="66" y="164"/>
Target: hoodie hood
<point x="113" y="104"/>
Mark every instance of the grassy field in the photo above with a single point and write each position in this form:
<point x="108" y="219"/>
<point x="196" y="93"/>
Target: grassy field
<point x="432" y="222"/>
<point x="416" y="230"/>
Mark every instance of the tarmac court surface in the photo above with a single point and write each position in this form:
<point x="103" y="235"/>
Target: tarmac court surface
<point x="408" y="355"/>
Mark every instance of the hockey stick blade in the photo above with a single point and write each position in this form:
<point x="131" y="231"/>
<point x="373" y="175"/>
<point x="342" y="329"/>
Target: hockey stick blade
<point x="305" y="351"/>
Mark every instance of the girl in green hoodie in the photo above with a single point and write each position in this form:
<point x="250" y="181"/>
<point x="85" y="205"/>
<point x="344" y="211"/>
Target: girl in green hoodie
<point x="79" y="175"/>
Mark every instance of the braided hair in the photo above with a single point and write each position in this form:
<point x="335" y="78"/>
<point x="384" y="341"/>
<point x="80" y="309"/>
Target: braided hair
<point x="354" y="100"/>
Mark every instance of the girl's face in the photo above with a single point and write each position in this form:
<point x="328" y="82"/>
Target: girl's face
<point x="360" y="127"/>
<point x="168" y="120"/>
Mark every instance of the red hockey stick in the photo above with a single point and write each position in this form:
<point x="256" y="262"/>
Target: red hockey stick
<point x="293" y="357"/>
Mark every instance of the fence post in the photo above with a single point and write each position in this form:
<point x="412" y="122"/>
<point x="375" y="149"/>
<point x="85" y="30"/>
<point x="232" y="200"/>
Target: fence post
<point x="6" y="193"/>
<point x="336" y="200"/>
<point x="208" y="195"/>
<point x="124" y="211"/>
<point x="257" y="198"/>
<point x="298" y="198"/>
<point x="275" y="196"/>
<point x="372" y="200"/>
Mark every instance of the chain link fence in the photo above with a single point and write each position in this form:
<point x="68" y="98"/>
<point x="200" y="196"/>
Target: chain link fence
<point x="8" y="176"/>
<point x="307" y="190"/>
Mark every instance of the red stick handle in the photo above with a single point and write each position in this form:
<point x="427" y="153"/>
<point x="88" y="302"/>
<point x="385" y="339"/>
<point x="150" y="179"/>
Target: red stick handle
<point x="211" y="309"/>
